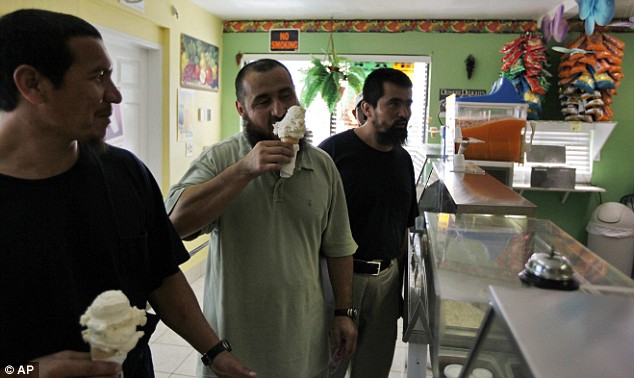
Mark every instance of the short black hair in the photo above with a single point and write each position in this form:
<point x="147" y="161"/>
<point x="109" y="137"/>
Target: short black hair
<point x="373" y="86"/>
<point x="262" y="65"/>
<point x="38" y="38"/>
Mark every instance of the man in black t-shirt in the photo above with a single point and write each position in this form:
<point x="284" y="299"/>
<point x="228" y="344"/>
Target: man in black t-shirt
<point x="78" y="217"/>
<point x="378" y="179"/>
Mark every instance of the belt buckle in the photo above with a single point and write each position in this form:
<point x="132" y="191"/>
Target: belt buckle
<point x="378" y="267"/>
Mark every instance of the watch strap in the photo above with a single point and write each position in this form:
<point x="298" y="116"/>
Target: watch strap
<point x="349" y="312"/>
<point x="212" y="353"/>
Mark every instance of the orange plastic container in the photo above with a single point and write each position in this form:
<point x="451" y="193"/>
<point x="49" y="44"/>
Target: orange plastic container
<point x="498" y="124"/>
<point x="503" y="140"/>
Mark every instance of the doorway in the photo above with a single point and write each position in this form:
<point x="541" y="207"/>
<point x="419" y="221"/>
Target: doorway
<point x="137" y="74"/>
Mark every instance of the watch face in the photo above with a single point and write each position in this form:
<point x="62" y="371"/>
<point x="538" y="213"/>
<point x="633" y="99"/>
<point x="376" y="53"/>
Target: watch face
<point x="353" y="313"/>
<point x="205" y="359"/>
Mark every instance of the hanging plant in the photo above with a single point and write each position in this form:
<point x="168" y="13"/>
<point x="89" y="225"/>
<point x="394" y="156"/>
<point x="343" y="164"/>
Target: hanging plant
<point x="326" y="77"/>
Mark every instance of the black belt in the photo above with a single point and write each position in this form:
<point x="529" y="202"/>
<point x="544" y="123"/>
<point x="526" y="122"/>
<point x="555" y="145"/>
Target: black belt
<point x="373" y="267"/>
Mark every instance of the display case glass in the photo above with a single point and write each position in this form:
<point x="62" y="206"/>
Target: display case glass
<point x="456" y="257"/>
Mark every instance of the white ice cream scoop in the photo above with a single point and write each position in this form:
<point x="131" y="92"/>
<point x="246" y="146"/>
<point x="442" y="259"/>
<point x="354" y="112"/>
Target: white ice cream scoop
<point x="290" y="130"/>
<point x="112" y="326"/>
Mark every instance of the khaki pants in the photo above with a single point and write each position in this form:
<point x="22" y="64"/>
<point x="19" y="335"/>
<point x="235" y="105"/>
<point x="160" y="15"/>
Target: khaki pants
<point x="377" y="299"/>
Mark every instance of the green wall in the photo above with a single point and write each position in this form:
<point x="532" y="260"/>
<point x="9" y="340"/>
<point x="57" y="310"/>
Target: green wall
<point x="614" y="172"/>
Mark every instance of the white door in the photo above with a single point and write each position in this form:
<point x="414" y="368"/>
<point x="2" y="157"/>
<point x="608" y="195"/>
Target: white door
<point x="134" y="72"/>
<point x="130" y="64"/>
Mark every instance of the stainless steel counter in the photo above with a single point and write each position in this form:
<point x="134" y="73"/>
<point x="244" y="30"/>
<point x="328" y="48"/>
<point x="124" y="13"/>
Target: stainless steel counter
<point x="555" y="334"/>
<point x="477" y="192"/>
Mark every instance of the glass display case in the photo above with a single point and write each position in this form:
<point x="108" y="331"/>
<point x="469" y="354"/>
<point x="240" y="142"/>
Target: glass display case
<point x="593" y="335"/>
<point x="456" y="257"/>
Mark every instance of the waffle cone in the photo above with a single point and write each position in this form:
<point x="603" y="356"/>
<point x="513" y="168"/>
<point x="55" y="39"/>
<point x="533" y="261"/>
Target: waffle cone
<point x="290" y="140"/>
<point x="107" y="355"/>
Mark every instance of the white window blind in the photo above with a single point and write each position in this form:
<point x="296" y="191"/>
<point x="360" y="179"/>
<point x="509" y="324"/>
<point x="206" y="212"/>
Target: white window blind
<point x="577" y="138"/>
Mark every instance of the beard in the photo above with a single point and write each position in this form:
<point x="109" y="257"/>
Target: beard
<point x="393" y="136"/>
<point x="254" y="136"/>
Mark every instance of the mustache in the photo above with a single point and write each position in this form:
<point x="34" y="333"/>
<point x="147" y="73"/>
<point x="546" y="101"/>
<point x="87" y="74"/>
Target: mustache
<point x="401" y="122"/>
<point x="105" y="112"/>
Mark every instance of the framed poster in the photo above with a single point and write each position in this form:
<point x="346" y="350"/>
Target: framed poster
<point x="199" y="64"/>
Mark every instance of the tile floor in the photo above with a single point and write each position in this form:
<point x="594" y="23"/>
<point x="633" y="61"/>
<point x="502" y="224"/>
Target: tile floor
<point x="174" y="358"/>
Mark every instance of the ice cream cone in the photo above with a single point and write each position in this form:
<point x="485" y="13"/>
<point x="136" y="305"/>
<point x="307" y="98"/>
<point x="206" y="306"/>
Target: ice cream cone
<point x="290" y="140"/>
<point x="287" y="169"/>
<point x="290" y="130"/>
<point x="111" y="326"/>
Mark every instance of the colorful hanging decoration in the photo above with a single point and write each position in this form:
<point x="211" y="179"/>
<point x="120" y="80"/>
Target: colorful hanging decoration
<point x="524" y="64"/>
<point x="557" y="27"/>
<point x="598" y="12"/>
<point x="588" y="77"/>
<point x="624" y="24"/>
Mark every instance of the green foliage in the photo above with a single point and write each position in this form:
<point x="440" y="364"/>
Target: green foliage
<point x="331" y="90"/>
<point x="325" y="78"/>
<point x="313" y="82"/>
<point x="356" y="77"/>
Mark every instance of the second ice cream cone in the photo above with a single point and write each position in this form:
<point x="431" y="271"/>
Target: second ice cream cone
<point x="98" y="354"/>
<point x="111" y="326"/>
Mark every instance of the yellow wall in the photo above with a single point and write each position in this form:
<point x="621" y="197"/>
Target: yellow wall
<point x="158" y="25"/>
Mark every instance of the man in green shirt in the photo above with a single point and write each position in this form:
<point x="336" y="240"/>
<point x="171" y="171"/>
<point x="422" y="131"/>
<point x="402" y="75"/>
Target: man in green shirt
<point x="263" y="287"/>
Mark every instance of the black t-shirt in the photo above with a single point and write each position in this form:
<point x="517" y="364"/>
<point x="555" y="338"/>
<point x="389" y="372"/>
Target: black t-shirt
<point x="63" y="240"/>
<point x="380" y="193"/>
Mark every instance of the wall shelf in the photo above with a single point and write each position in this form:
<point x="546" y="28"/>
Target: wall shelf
<point x="578" y="189"/>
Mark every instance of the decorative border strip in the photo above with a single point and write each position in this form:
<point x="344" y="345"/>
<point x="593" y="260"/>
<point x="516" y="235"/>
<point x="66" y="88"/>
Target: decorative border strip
<point x="383" y="26"/>
<point x="399" y="26"/>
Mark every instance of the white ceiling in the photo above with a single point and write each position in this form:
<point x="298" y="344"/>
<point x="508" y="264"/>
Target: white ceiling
<point x="230" y="10"/>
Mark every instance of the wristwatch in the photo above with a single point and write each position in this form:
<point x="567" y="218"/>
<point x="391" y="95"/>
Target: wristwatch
<point x="208" y="357"/>
<point x="349" y="312"/>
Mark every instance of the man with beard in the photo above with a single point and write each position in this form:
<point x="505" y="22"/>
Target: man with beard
<point x="262" y="286"/>
<point x="78" y="217"/>
<point x="378" y="178"/>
